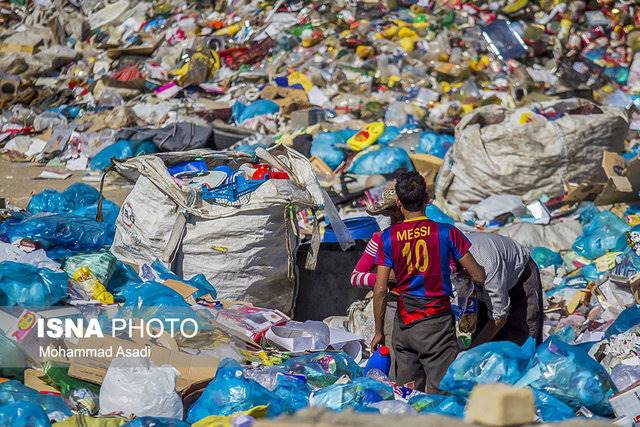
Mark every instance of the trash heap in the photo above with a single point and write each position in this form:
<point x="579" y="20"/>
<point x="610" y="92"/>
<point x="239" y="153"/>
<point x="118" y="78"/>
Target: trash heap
<point x="248" y="128"/>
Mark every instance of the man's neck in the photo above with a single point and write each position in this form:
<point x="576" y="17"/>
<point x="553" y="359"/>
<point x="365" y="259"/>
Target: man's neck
<point x="412" y="215"/>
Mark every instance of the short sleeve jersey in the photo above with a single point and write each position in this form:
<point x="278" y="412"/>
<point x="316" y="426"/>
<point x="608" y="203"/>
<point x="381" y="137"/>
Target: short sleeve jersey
<point x="420" y="251"/>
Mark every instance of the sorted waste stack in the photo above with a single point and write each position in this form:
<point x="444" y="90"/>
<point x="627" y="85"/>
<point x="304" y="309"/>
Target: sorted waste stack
<point x="248" y="128"/>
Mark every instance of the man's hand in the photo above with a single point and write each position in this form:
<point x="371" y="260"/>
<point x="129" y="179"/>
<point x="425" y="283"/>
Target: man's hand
<point x="377" y="340"/>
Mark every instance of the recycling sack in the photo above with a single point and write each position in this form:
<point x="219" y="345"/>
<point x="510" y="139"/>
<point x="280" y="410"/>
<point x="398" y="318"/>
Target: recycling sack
<point x="496" y="153"/>
<point x="246" y="251"/>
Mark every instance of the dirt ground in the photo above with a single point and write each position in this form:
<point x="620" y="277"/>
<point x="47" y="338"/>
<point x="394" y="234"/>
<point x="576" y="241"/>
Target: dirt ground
<point x="17" y="183"/>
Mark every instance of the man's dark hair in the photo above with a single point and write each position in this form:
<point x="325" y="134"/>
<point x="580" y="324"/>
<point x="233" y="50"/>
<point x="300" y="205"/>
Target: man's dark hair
<point x="412" y="191"/>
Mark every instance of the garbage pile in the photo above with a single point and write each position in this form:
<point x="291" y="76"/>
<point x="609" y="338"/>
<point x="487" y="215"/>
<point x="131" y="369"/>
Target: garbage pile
<point x="247" y="128"/>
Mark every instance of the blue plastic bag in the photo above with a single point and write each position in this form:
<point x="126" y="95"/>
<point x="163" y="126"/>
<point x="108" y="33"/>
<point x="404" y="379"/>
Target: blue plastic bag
<point x="323" y="368"/>
<point x="13" y="391"/>
<point x="123" y="276"/>
<point x="493" y="362"/>
<point x="629" y="318"/>
<point x="569" y="374"/>
<point x="545" y="257"/>
<point x="549" y="409"/>
<point x="231" y="392"/>
<point x="27" y="286"/>
<point x="425" y="401"/>
<point x="110" y="212"/>
<point x="120" y="150"/>
<point x="243" y="112"/>
<point x="602" y="232"/>
<point x="324" y="147"/>
<point x="379" y="159"/>
<point x="62" y="234"/>
<point x="76" y="196"/>
<point x="451" y="406"/>
<point x="198" y="281"/>
<point x="390" y="133"/>
<point x="436" y="144"/>
<point x="155" y="422"/>
<point x="435" y="214"/>
<point x="356" y="394"/>
<point x="23" y="414"/>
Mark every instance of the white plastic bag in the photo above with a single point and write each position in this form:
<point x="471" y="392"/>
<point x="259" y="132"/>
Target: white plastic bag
<point x="135" y="386"/>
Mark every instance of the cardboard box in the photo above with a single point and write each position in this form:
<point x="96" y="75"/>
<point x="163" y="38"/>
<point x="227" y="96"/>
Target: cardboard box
<point x="32" y="380"/>
<point x="428" y="166"/>
<point x="623" y="180"/>
<point x="193" y="368"/>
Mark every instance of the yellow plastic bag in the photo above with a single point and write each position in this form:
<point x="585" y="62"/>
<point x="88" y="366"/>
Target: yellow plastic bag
<point x="225" y="421"/>
<point x="87" y="421"/>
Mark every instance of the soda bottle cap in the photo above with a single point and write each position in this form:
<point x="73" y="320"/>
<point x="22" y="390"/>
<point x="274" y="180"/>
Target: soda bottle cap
<point x="384" y="350"/>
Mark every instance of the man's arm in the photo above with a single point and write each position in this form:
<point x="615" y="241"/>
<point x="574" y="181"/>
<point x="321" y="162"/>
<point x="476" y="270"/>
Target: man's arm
<point x="380" y="304"/>
<point x="475" y="270"/>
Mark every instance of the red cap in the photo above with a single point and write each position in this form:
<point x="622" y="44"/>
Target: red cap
<point x="384" y="350"/>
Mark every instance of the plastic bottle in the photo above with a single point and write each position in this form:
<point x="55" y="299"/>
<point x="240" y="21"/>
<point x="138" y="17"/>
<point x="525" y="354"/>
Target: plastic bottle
<point x="366" y="136"/>
<point x="89" y="284"/>
<point x="380" y="359"/>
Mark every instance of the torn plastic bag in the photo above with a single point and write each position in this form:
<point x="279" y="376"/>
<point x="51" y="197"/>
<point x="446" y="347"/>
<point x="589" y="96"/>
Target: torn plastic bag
<point x="60" y="234"/>
<point x="569" y="374"/>
<point x="380" y="159"/>
<point x="121" y="149"/>
<point x="452" y="406"/>
<point x="198" y="281"/>
<point x="23" y="414"/>
<point x="27" y="286"/>
<point x="493" y="362"/>
<point x="359" y="393"/>
<point x="231" y="392"/>
<point x="101" y="264"/>
<point x="629" y="318"/>
<point x="324" y="146"/>
<point x="604" y="232"/>
<point x="76" y="196"/>
<point x="243" y="112"/>
<point x="545" y="257"/>
<point x="135" y="386"/>
<point x="423" y="401"/>
<point x="436" y="144"/>
<point x="14" y="392"/>
<point x="549" y="409"/>
<point x="393" y="407"/>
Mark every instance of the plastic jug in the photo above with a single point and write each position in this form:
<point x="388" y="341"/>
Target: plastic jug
<point x="366" y="136"/>
<point x="380" y="359"/>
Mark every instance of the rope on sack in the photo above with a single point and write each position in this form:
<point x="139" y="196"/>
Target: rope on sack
<point x="290" y="220"/>
<point x="99" y="216"/>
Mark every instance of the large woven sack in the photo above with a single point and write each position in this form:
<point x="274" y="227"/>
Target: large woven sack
<point x="496" y="153"/>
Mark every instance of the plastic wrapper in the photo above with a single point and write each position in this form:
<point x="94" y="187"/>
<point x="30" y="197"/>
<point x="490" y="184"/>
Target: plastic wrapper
<point x="27" y="286"/>
<point x="425" y="401"/>
<point x="198" y="281"/>
<point x="243" y="112"/>
<point x="89" y="287"/>
<point x="101" y="264"/>
<point x="155" y="422"/>
<point x="57" y="374"/>
<point x="15" y="392"/>
<point x="569" y="374"/>
<point x="23" y="414"/>
<point x="231" y="392"/>
<point x="549" y="409"/>
<point x="625" y="375"/>
<point x="76" y="196"/>
<point x="492" y="362"/>
<point x="61" y="235"/>
<point x="379" y="159"/>
<point x="323" y="368"/>
<point x="359" y="393"/>
<point x="136" y="386"/>
<point x="121" y="149"/>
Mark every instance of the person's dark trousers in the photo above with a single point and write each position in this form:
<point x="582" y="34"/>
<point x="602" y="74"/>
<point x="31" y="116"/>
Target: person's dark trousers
<point x="526" y="311"/>
<point x="424" y="351"/>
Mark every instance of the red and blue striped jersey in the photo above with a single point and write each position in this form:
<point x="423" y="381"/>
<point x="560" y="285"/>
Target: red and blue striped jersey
<point x="420" y="252"/>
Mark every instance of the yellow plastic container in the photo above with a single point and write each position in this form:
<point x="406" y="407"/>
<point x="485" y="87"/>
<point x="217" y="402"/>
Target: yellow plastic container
<point x="366" y="136"/>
